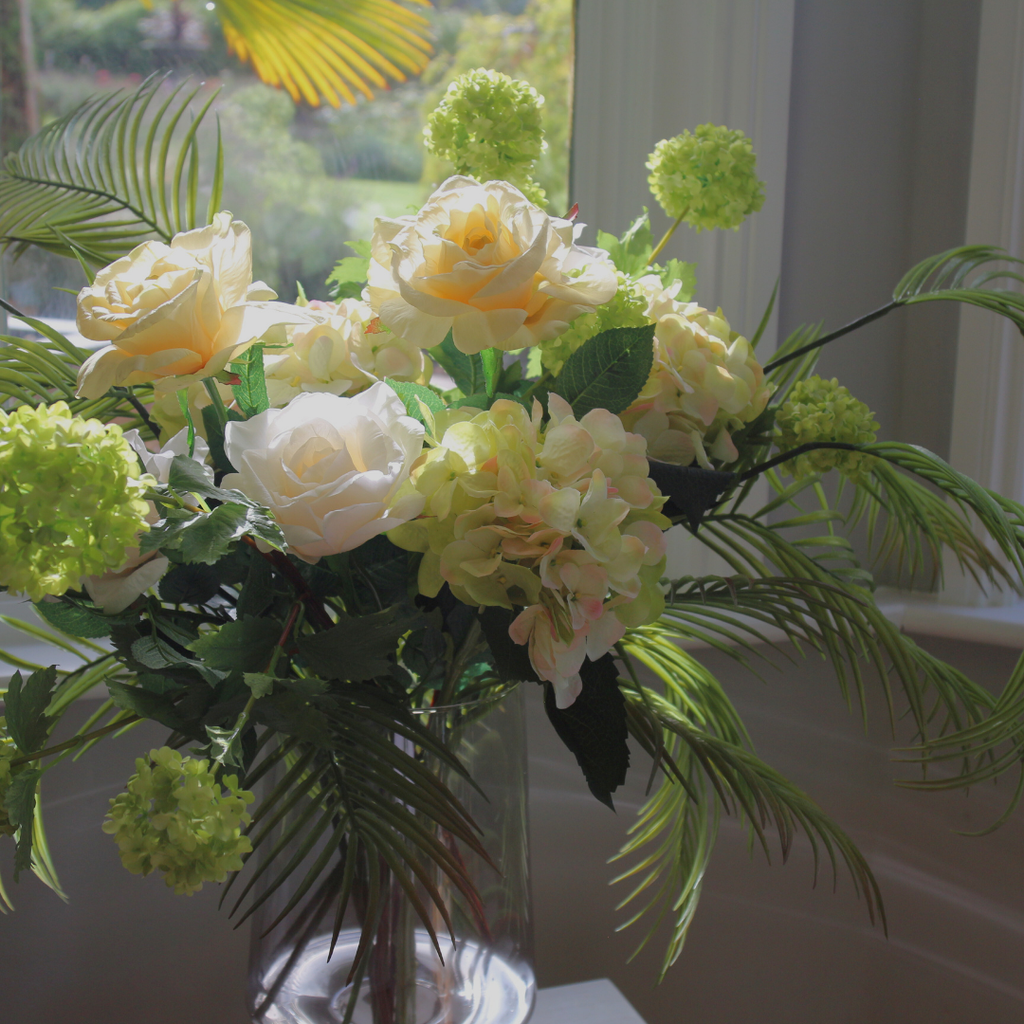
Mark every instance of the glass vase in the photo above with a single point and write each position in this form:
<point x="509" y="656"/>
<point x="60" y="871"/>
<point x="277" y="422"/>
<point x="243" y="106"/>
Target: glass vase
<point x="486" y="976"/>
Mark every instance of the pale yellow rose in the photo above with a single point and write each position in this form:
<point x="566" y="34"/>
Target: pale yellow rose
<point x="343" y="353"/>
<point x="485" y="263"/>
<point x="176" y="313"/>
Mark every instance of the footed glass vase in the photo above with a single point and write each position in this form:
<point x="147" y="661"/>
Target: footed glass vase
<point x="486" y="976"/>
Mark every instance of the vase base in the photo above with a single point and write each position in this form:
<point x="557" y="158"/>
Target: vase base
<point x="475" y="985"/>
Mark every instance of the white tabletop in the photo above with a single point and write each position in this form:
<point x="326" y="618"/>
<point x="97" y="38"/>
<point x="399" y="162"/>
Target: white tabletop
<point x="588" y="1002"/>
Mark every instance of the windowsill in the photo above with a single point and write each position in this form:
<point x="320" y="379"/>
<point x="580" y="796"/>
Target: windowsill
<point x="927" y="614"/>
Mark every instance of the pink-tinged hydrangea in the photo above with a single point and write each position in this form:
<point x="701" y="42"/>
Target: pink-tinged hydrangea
<point x="705" y="383"/>
<point x="559" y="519"/>
<point x="342" y="353"/>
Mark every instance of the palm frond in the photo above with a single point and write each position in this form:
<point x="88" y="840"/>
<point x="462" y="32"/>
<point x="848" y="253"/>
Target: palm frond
<point x="329" y="49"/>
<point x="109" y="175"/>
<point x="363" y="803"/>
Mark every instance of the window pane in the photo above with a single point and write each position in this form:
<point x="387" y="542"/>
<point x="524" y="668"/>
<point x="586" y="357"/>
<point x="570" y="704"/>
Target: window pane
<point x="306" y="179"/>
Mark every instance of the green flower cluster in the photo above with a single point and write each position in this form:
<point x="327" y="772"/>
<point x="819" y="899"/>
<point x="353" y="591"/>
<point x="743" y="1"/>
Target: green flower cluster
<point x="822" y="410"/>
<point x="175" y="818"/>
<point x="626" y="308"/>
<point x="71" y="499"/>
<point x="489" y="126"/>
<point x="707" y="178"/>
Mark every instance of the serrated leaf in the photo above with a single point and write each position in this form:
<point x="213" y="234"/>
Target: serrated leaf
<point x="20" y="804"/>
<point x="189" y="584"/>
<point x="154" y="653"/>
<point x="349" y="276"/>
<point x="257" y="592"/>
<point x="677" y="270"/>
<point x="413" y="394"/>
<point x="226" y="744"/>
<point x="251" y="390"/>
<point x="608" y="371"/>
<point x="245" y="645"/>
<point x="466" y="371"/>
<point x="358" y="647"/>
<point x="512" y="660"/>
<point x="691" y="490"/>
<point x="593" y="727"/>
<point x="146" y="704"/>
<point x="25" y="707"/>
<point x="75" y="621"/>
<point x="260" y="683"/>
<point x="630" y="252"/>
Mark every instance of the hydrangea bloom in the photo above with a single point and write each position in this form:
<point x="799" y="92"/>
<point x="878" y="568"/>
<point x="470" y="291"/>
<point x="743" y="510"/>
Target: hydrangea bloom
<point x="707" y="178"/>
<point x="343" y="354"/>
<point x="175" y="818"/>
<point x="71" y="499"/>
<point x="704" y="383"/>
<point x="561" y="520"/>
<point x="489" y="126"/>
<point x="823" y="410"/>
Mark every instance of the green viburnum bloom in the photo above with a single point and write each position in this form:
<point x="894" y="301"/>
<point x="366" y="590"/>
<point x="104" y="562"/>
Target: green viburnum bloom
<point x="176" y="819"/>
<point x="707" y="178"/>
<point x="626" y="308"/>
<point x="71" y="499"/>
<point x="822" y="410"/>
<point x="489" y="126"/>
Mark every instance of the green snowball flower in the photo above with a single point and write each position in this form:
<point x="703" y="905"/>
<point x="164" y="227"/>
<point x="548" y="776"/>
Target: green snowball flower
<point x="626" y="308"/>
<point x="175" y="818"/>
<point x="71" y="499"/>
<point x="489" y="126"/>
<point x="708" y="178"/>
<point x="822" y="410"/>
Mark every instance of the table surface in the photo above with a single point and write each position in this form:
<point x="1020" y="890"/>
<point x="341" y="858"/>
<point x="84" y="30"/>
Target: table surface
<point x="587" y="1002"/>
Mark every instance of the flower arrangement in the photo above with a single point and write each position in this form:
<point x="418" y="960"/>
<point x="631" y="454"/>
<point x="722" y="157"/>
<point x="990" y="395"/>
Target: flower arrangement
<point x="292" y="525"/>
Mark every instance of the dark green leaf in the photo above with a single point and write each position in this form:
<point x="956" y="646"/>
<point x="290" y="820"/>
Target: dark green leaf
<point x="189" y="584"/>
<point x="691" y="490"/>
<point x="245" y="645"/>
<point x="358" y="647"/>
<point x="257" y="592"/>
<point x="146" y="704"/>
<point x="261" y="684"/>
<point x="608" y="371"/>
<point x="71" y="619"/>
<point x="466" y="371"/>
<point x="215" y="437"/>
<point x="251" y="390"/>
<point x="413" y="394"/>
<point x="20" y="804"/>
<point x="154" y="653"/>
<point x="593" y="727"/>
<point x="25" y="708"/>
<point x="512" y="660"/>
<point x="226" y="744"/>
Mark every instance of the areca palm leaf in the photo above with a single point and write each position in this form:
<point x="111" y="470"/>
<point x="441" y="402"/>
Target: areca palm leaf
<point x="116" y="171"/>
<point x="327" y="49"/>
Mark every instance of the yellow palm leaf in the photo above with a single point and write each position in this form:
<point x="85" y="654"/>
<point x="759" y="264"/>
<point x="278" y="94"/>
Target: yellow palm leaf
<point x="327" y="49"/>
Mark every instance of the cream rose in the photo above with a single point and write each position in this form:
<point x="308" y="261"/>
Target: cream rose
<point x="180" y="311"/>
<point x="485" y="263"/>
<point x="328" y="467"/>
<point x="342" y="354"/>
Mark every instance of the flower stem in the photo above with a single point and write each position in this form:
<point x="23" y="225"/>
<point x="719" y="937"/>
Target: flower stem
<point x="75" y="741"/>
<point x="218" y="403"/>
<point x="665" y="237"/>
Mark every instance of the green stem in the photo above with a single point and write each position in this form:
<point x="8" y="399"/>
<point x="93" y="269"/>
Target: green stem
<point x="541" y="380"/>
<point x="218" y="403"/>
<point x="459" y="663"/>
<point x="74" y="741"/>
<point x="665" y="237"/>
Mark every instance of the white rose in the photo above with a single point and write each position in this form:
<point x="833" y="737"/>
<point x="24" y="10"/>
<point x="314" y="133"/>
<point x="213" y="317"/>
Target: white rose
<point x="329" y="467"/>
<point x="115" y="590"/>
<point x="340" y="354"/>
<point x="485" y="263"/>
<point x="179" y="311"/>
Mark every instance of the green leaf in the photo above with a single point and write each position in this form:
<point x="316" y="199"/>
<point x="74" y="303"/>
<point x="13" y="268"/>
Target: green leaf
<point x="226" y="744"/>
<point x="215" y="437"/>
<point x="512" y="660"/>
<point x="71" y="619"/>
<point x="245" y="644"/>
<point x="189" y="584"/>
<point x="251" y="390"/>
<point x="94" y="182"/>
<point x="257" y="592"/>
<point x="261" y="684"/>
<point x="20" y="804"/>
<point x="466" y="371"/>
<point x="491" y="360"/>
<point x="691" y="490"/>
<point x="677" y="270"/>
<point x="593" y="727"/>
<point x="25" y="707"/>
<point x="146" y="704"/>
<point x="608" y="371"/>
<point x="630" y="252"/>
<point x="349" y="275"/>
<point x="414" y="394"/>
<point x="358" y="647"/>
